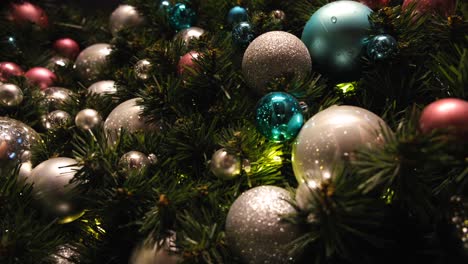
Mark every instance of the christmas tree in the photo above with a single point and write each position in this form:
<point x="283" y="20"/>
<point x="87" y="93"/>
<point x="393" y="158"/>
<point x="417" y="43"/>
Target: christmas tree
<point x="260" y="131"/>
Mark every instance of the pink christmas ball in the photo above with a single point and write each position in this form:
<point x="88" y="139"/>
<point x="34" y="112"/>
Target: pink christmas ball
<point x="423" y="7"/>
<point x="67" y="47"/>
<point x="41" y="77"/>
<point x="25" y="12"/>
<point x="446" y="113"/>
<point x="187" y="61"/>
<point x="8" y="69"/>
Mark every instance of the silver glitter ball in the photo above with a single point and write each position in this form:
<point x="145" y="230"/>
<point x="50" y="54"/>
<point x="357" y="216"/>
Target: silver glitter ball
<point x="15" y="139"/>
<point x="142" y="69"/>
<point x="56" y="119"/>
<point x="274" y="54"/>
<point x="65" y="255"/>
<point x="127" y="116"/>
<point x="133" y="161"/>
<point x="52" y="187"/>
<point x="254" y="229"/>
<point x="57" y="62"/>
<point x="225" y="165"/>
<point x="88" y="119"/>
<point x="91" y="61"/>
<point x="330" y="137"/>
<point x="10" y="95"/>
<point x="161" y="252"/>
<point x="186" y="35"/>
<point x="103" y="87"/>
<point x="123" y="17"/>
<point x="56" y="97"/>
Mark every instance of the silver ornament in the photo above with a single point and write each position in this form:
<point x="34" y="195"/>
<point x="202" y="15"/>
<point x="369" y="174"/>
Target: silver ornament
<point x="56" y="97"/>
<point x="92" y="60"/>
<point x="65" y="255"/>
<point x="278" y="15"/>
<point x="56" y="119"/>
<point x="123" y="17"/>
<point x="161" y="252"/>
<point x="52" y="186"/>
<point x="133" y="161"/>
<point x="225" y="165"/>
<point x="57" y="62"/>
<point x="24" y="173"/>
<point x="153" y="158"/>
<point x="15" y="139"/>
<point x="103" y="87"/>
<point x="330" y="137"/>
<point x="142" y="69"/>
<point x="254" y="229"/>
<point x="88" y="119"/>
<point x="274" y="54"/>
<point x="188" y="34"/>
<point x="10" y="95"/>
<point x="127" y="116"/>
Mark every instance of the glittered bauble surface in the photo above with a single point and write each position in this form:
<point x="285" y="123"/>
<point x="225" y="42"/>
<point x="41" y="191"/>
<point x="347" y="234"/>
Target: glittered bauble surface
<point x="330" y="137"/>
<point x="274" y="54"/>
<point x="24" y="13"/>
<point x="279" y="116"/>
<point x="375" y="4"/>
<point x="123" y="17"/>
<point x="9" y="69"/>
<point x="181" y="16"/>
<point x="447" y="113"/>
<point x="190" y="33"/>
<point x="92" y="60"/>
<point x="52" y="185"/>
<point x="41" y="77"/>
<point x="422" y="7"/>
<point x="335" y="36"/>
<point x="254" y="229"/>
<point x="56" y="97"/>
<point x="242" y="33"/>
<point x="103" y="87"/>
<point x="236" y="15"/>
<point x="161" y="252"/>
<point x="65" y="255"/>
<point x="187" y="61"/>
<point x="142" y="69"/>
<point x="133" y="161"/>
<point x="15" y="138"/>
<point x="10" y="95"/>
<point x="225" y="165"/>
<point x="56" y="119"/>
<point x="67" y="47"/>
<point x="381" y="47"/>
<point x="88" y="119"/>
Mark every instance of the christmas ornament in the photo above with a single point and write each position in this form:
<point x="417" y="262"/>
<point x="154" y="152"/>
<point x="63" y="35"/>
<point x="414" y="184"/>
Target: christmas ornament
<point x="142" y="69"/>
<point x="381" y="47"/>
<point x="189" y="34"/>
<point x="127" y="116"/>
<point x="56" y="119"/>
<point x="278" y="15"/>
<point x="9" y="69"/>
<point x="447" y="113"/>
<point x="67" y="47"/>
<point x="153" y="158"/>
<point x="25" y="12"/>
<point x="57" y="62"/>
<point x="458" y="224"/>
<point x="124" y="17"/>
<point x="335" y="36"/>
<point x="236" y="15"/>
<point x="279" y="116"/>
<point x="133" y="161"/>
<point x="41" y="77"/>
<point x="187" y="61"/>
<point x="330" y="137"/>
<point x="88" y="119"/>
<point x="65" y="255"/>
<point x="103" y="87"/>
<point x="10" y="95"/>
<point x="92" y="60"/>
<point x="16" y="138"/>
<point x="181" y="16"/>
<point x="254" y="229"/>
<point x="442" y="7"/>
<point x="225" y="165"/>
<point x="56" y="97"/>
<point x="304" y="195"/>
<point x="274" y="54"/>
<point x="25" y="170"/>
<point x="375" y="4"/>
<point x="53" y="187"/>
<point x="165" y="6"/>
<point x="161" y="252"/>
<point x="242" y="33"/>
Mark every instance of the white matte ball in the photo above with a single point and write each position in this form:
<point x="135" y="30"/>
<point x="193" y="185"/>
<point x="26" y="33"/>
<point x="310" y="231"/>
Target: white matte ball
<point x="124" y="16"/>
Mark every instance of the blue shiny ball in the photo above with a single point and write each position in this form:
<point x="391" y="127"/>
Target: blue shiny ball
<point x="242" y="33"/>
<point x="237" y="14"/>
<point x="279" y="116"/>
<point x="335" y="36"/>
<point x="181" y="16"/>
<point x="381" y="47"/>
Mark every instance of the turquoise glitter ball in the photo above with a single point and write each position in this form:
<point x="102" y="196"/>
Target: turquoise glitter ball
<point x="279" y="116"/>
<point x="181" y="16"/>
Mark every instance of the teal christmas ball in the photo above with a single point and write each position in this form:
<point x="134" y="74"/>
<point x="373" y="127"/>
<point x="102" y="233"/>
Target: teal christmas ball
<point x="181" y="16"/>
<point x="335" y="36"/>
<point x="381" y="47"/>
<point x="236" y="15"/>
<point x="279" y="116"/>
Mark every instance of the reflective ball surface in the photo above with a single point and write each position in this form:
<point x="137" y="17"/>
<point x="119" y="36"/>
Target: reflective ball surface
<point x="133" y="161"/>
<point x="88" y="119"/>
<point x="103" y="87"/>
<point x="92" y="60"/>
<point x="9" y="69"/>
<point x="186" y="35"/>
<point x="56" y="119"/>
<point x="10" y="95"/>
<point x="123" y="17"/>
<point x="142" y="69"/>
<point x="16" y="138"/>
<point x="56" y="97"/>
<point x="41" y="77"/>
<point x="225" y="165"/>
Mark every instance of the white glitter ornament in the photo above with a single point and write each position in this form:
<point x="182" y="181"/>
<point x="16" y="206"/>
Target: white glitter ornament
<point x="92" y="60"/>
<point x="124" y="16"/>
<point x="254" y="229"/>
<point x="103" y="87"/>
<point x="16" y="138"/>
